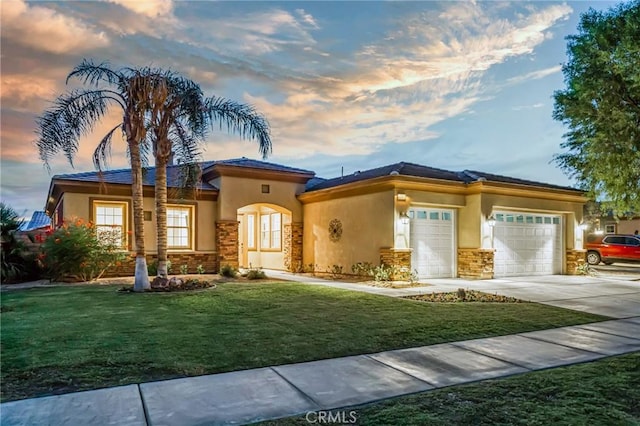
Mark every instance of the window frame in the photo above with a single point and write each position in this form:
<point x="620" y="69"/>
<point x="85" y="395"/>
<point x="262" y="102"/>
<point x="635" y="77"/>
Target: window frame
<point x="610" y="226"/>
<point x="251" y="232"/>
<point x="267" y="233"/>
<point x="190" y="227"/>
<point x="124" y="205"/>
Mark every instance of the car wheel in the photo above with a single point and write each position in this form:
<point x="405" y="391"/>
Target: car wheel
<point x="593" y="258"/>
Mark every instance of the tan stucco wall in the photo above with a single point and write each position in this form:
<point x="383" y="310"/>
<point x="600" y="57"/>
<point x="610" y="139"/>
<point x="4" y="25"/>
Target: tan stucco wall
<point x="78" y="206"/>
<point x="237" y="192"/>
<point x="367" y="225"/>
<point x="626" y="226"/>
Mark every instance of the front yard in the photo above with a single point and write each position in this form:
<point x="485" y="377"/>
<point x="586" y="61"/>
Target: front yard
<point x="64" y="339"/>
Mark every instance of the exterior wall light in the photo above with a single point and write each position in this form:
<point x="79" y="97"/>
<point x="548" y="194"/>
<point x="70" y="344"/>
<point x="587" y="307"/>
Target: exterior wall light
<point x="401" y="197"/>
<point x="404" y="218"/>
<point x="491" y="221"/>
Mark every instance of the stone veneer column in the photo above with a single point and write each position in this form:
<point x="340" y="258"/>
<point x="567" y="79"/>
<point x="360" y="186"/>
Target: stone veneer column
<point x="475" y="264"/>
<point x="227" y="242"/>
<point x="398" y="258"/>
<point x="575" y="258"/>
<point x="293" y="246"/>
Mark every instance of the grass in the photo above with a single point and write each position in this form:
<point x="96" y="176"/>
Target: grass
<point x="63" y="339"/>
<point x="604" y="392"/>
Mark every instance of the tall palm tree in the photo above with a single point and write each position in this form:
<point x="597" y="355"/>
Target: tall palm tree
<point x="75" y="114"/>
<point x="179" y="127"/>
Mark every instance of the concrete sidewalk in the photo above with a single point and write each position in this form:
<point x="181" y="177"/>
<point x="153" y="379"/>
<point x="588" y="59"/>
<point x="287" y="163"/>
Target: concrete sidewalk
<point x="273" y="392"/>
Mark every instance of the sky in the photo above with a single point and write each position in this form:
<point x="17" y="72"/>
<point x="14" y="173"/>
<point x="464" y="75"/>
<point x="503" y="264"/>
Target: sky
<point x="344" y="85"/>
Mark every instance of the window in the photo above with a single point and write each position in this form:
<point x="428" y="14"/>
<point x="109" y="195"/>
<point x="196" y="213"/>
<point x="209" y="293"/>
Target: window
<point x="556" y="220"/>
<point x="610" y="229"/>
<point x="631" y="241"/>
<point x="529" y="219"/>
<point x="446" y="216"/>
<point x="434" y="215"/>
<point x="110" y="219"/>
<point x="251" y="231"/>
<point x="614" y="240"/>
<point x="520" y="219"/>
<point x="271" y="231"/>
<point x="179" y="224"/>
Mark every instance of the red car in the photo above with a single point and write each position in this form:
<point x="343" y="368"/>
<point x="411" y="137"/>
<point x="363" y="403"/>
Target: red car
<point x="612" y="248"/>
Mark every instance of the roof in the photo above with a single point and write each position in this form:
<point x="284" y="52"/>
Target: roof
<point x="417" y="170"/>
<point x="256" y="164"/>
<point x="123" y="176"/>
<point x="475" y="176"/>
<point x="39" y="219"/>
<point x="402" y="168"/>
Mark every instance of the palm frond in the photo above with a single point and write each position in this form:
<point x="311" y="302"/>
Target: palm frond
<point x="103" y="151"/>
<point x="241" y="119"/>
<point x="93" y="74"/>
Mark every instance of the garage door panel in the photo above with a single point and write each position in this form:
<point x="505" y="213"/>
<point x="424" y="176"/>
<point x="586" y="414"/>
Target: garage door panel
<point x="528" y="244"/>
<point x="432" y="241"/>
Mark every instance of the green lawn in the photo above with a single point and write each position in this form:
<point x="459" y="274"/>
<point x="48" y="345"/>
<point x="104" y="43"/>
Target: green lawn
<point x="71" y="338"/>
<point x="604" y="392"/>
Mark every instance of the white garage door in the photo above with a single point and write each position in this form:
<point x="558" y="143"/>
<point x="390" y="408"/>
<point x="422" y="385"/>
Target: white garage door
<point x="527" y="244"/>
<point x="433" y="242"/>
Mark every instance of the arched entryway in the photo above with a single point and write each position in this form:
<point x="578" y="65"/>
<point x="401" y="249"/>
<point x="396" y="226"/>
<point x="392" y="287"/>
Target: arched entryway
<point x="264" y="236"/>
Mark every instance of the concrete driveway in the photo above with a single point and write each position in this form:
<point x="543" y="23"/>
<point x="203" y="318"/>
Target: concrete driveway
<point x="616" y="298"/>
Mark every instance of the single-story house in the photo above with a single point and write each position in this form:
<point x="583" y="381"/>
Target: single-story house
<point x="435" y="222"/>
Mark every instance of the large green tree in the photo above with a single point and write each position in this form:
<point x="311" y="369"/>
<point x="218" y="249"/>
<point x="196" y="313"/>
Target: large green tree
<point x="601" y="107"/>
<point x="76" y="113"/>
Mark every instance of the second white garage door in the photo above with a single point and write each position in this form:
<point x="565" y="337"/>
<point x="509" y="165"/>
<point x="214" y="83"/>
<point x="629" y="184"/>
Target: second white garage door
<point x="433" y="242"/>
<point x="527" y="244"/>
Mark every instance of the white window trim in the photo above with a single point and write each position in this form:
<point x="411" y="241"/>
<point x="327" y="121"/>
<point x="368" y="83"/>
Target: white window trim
<point x="267" y="231"/>
<point x="125" y="215"/>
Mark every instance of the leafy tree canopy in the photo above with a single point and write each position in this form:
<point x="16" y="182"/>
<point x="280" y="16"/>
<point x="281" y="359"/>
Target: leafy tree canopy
<point x="601" y="107"/>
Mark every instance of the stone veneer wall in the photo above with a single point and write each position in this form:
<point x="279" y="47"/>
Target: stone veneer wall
<point x="227" y="242"/>
<point x="575" y="258"/>
<point x="398" y="258"/>
<point x="293" y="246"/>
<point x="475" y="263"/>
<point x="192" y="260"/>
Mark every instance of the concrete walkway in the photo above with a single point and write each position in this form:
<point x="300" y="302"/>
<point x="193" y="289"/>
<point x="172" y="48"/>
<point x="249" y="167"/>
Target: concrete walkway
<point x="273" y="392"/>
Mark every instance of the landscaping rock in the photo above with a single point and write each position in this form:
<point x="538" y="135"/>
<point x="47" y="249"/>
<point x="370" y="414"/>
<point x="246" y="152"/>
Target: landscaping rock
<point x="160" y="282"/>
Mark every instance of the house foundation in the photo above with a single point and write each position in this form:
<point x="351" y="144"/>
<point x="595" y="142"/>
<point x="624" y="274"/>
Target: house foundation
<point x="397" y="259"/>
<point x="574" y="260"/>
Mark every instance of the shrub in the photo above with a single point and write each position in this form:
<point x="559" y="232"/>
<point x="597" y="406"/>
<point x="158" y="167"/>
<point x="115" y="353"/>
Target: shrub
<point x="184" y="269"/>
<point x="228" y="271"/>
<point x="200" y="269"/>
<point x="17" y="264"/>
<point x="336" y="270"/>
<point x="76" y="251"/>
<point x="256" y="274"/>
<point x="152" y="268"/>
<point x="362" y="269"/>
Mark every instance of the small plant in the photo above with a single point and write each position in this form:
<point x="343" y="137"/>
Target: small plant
<point x="382" y="273"/>
<point x="152" y="268"/>
<point x="462" y="294"/>
<point x="583" y="269"/>
<point x="336" y="271"/>
<point x="184" y="269"/>
<point x="362" y="269"/>
<point x="228" y="271"/>
<point x="256" y="274"/>
<point x="168" y="266"/>
<point x="200" y="269"/>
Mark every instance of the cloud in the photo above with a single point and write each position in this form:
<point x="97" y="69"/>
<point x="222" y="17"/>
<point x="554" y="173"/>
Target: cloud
<point x="535" y="75"/>
<point x="525" y="107"/>
<point x="44" y="29"/>
<point x="149" y="8"/>
<point x="23" y="92"/>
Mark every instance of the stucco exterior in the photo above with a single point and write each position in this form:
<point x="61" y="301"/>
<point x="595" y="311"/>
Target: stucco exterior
<point x="367" y="214"/>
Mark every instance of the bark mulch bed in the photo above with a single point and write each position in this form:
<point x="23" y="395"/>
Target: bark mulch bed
<point x="463" y="295"/>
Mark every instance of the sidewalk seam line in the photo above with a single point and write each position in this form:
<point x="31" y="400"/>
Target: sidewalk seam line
<point x="457" y="344"/>
<point x="401" y="371"/>
<point x="144" y="406"/>
<point x="566" y="346"/>
<point x="304" y="394"/>
<point x="584" y="326"/>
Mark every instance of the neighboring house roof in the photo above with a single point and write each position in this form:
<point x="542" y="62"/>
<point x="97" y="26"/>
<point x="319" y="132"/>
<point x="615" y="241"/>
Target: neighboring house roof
<point x="123" y="176"/>
<point x="39" y="219"/>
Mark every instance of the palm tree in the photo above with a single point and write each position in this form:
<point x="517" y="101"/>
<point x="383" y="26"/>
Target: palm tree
<point x="179" y="127"/>
<point x="76" y="113"/>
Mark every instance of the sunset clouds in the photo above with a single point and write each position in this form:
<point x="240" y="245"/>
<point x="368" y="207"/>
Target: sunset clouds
<point x="346" y="82"/>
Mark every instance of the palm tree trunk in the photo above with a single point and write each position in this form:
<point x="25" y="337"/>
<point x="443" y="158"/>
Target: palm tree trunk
<point x="161" y="213"/>
<point x="141" y="274"/>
